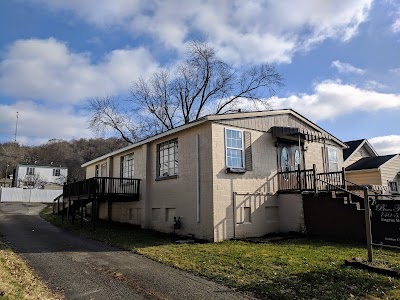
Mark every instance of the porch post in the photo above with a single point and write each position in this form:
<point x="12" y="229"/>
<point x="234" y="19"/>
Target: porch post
<point x="81" y="212"/>
<point x="315" y="178"/>
<point x="299" y="177"/>
<point x="62" y="212"/>
<point x="344" y="178"/>
<point x="109" y="207"/>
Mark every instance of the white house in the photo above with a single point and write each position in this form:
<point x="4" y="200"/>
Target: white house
<point x="42" y="176"/>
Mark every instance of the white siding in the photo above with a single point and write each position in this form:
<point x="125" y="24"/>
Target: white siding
<point x="390" y="171"/>
<point x="44" y="172"/>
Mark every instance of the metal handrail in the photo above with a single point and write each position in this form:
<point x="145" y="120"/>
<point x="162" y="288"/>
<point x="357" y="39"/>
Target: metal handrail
<point x="339" y="188"/>
<point x="363" y="186"/>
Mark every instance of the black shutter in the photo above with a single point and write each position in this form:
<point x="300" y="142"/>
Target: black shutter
<point x="248" y="158"/>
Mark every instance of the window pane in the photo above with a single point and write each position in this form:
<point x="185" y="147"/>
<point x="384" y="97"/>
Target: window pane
<point x="167" y="154"/>
<point x="234" y="148"/>
<point x="332" y="155"/>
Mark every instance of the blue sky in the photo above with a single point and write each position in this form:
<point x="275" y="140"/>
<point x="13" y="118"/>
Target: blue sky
<point x="340" y="59"/>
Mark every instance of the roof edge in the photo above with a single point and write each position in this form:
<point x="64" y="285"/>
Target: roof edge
<point x="244" y="115"/>
<point x="147" y="140"/>
<point x="211" y="118"/>
<point x="394" y="155"/>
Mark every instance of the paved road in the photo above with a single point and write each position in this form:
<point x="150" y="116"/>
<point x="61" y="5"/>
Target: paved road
<point x="86" y="269"/>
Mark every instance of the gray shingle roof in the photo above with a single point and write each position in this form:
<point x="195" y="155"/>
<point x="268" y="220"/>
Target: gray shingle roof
<point x="367" y="163"/>
<point x="353" y="145"/>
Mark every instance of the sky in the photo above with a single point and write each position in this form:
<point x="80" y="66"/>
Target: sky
<point x="340" y="58"/>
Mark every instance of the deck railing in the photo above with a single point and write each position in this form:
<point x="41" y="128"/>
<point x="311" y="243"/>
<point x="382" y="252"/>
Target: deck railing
<point x="102" y="186"/>
<point x="310" y="180"/>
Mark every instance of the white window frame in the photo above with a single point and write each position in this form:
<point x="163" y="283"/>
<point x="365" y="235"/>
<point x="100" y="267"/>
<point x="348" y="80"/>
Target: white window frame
<point x="56" y="172"/>
<point x="393" y="183"/>
<point x="330" y="162"/>
<point x="101" y="169"/>
<point x="128" y="161"/>
<point x="30" y="171"/>
<point x="172" y="144"/>
<point x="234" y="148"/>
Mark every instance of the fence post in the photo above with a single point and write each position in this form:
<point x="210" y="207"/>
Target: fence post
<point x="315" y="178"/>
<point x="368" y="224"/>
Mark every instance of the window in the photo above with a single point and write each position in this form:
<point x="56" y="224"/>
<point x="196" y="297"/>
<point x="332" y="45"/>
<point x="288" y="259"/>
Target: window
<point x="96" y="171"/>
<point x="30" y="171"/>
<point x="333" y="165"/>
<point x="56" y="172"/>
<point x="285" y="163"/>
<point x="234" y="148"/>
<point x="127" y="166"/>
<point x="167" y="158"/>
<point x="103" y="170"/>
<point x="393" y="186"/>
<point x="296" y="159"/>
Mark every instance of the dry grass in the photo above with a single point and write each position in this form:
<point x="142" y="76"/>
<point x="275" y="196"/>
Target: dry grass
<point x="18" y="281"/>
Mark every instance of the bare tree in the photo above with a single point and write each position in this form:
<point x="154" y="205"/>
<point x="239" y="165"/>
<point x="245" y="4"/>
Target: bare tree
<point x="33" y="181"/>
<point x="200" y="85"/>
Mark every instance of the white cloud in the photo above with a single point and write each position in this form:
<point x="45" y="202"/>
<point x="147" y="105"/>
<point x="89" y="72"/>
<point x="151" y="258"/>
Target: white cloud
<point x="384" y="145"/>
<point x="266" y="31"/>
<point x="395" y="71"/>
<point x="332" y="99"/>
<point x="37" y="124"/>
<point x="48" y="70"/>
<point x="346" y="68"/>
<point x="396" y="26"/>
<point x="374" y="85"/>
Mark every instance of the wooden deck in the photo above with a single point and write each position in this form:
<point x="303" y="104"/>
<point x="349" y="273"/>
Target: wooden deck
<point x="78" y="195"/>
<point x="103" y="188"/>
<point x="310" y="181"/>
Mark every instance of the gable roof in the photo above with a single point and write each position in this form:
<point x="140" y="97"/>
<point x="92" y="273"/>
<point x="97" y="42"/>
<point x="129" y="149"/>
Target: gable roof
<point x="239" y="115"/>
<point x="355" y="145"/>
<point x="368" y="163"/>
<point x="40" y="164"/>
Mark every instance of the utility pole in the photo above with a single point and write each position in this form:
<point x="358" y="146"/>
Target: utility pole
<point x="16" y="129"/>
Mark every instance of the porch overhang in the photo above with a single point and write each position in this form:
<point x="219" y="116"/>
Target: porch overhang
<point x="295" y="132"/>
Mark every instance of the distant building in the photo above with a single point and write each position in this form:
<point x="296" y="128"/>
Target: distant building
<point x="5" y="182"/>
<point x="365" y="167"/>
<point x="38" y="176"/>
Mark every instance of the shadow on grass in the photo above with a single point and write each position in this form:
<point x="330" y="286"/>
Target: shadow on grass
<point x="325" y="283"/>
<point x="126" y="236"/>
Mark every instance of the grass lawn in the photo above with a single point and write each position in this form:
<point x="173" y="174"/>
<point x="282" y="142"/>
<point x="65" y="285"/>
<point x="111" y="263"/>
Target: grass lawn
<point x="292" y="269"/>
<point x="17" y="281"/>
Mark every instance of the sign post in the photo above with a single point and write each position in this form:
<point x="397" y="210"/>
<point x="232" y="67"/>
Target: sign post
<point x="368" y="224"/>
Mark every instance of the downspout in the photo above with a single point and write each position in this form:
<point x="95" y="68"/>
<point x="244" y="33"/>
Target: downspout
<point x="197" y="180"/>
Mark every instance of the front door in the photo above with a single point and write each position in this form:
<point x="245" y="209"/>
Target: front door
<point x="289" y="157"/>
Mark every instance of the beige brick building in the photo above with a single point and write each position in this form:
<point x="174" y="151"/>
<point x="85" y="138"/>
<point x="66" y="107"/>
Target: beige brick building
<point x="219" y="175"/>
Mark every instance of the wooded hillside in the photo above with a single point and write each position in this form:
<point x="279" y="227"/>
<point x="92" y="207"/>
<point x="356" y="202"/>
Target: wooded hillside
<point x="70" y="153"/>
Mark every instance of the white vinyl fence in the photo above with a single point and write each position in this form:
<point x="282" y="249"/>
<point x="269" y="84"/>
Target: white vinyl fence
<point x="28" y="195"/>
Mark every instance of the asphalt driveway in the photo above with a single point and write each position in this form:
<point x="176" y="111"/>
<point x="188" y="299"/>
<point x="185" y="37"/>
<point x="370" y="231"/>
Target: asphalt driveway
<point x="87" y="269"/>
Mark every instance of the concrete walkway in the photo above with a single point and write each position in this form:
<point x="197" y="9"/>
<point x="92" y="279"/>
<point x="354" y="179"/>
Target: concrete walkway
<point x="86" y="269"/>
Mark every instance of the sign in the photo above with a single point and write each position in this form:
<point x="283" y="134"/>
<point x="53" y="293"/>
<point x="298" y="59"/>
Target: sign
<point x="385" y="219"/>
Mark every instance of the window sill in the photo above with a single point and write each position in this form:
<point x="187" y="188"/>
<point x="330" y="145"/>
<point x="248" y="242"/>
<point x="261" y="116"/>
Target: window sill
<point x="166" y="177"/>
<point x="235" y="170"/>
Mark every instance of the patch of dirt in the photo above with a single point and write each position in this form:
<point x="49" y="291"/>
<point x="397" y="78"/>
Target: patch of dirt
<point x="271" y="238"/>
